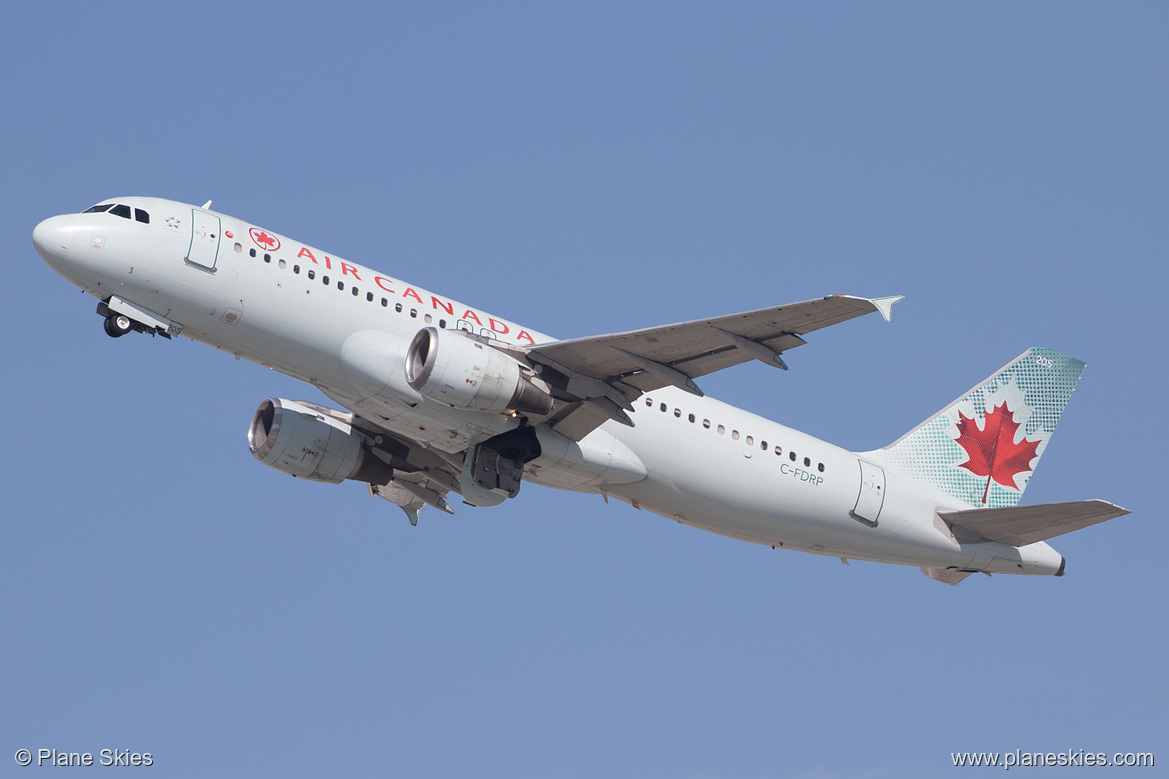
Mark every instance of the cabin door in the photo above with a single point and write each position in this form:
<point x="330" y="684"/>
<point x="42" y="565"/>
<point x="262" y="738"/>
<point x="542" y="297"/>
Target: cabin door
<point x="205" y="236"/>
<point x="871" y="496"/>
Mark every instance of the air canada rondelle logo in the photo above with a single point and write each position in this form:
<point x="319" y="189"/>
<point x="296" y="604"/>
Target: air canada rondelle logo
<point x="264" y="239"/>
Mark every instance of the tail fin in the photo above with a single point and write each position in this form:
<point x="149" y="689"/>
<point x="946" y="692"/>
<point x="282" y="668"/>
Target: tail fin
<point x="983" y="447"/>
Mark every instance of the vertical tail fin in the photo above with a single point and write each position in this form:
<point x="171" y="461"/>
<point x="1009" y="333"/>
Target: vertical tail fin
<point x="983" y="447"/>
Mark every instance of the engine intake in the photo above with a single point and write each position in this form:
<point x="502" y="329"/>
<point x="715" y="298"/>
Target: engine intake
<point x="312" y="442"/>
<point x="449" y="367"/>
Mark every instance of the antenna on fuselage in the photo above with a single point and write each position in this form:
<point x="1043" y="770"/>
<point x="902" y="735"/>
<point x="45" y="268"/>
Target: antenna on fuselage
<point x="207" y="205"/>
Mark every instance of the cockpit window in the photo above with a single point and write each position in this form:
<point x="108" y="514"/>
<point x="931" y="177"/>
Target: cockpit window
<point x="121" y="210"/>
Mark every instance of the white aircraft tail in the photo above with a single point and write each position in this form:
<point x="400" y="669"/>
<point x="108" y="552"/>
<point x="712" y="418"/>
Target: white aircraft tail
<point x="983" y="447"/>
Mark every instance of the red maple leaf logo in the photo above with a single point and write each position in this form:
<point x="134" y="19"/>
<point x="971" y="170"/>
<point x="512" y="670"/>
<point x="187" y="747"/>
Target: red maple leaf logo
<point x="992" y="451"/>
<point x="264" y="240"/>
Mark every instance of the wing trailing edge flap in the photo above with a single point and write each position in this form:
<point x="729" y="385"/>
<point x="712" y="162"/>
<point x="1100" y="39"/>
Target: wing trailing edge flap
<point x="422" y="477"/>
<point x="603" y="374"/>
<point x="1022" y="525"/>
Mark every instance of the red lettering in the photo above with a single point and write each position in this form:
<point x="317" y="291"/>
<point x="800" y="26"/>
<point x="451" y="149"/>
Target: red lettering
<point x="496" y="329"/>
<point x="328" y="263"/>
<point x="304" y="252"/>
<point x="347" y="268"/>
<point x="439" y="304"/>
<point x="410" y="293"/>
<point x="524" y="334"/>
<point x="379" y="279"/>
<point x="471" y="315"/>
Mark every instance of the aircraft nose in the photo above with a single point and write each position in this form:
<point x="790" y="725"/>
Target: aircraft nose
<point x="52" y="238"/>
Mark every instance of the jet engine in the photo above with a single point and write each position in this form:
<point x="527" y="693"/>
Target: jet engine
<point x="312" y="442"/>
<point x="449" y="367"/>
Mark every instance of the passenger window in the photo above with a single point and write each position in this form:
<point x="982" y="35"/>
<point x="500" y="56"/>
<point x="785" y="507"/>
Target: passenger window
<point x="252" y="252"/>
<point x="356" y="291"/>
<point x="325" y="280"/>
<point x="663" y="407"/>
<point x="750" y="441"/>
<point x="721" y="430"/>
<point x="778" y="450"/>
<point x="427" y="319"/>
<point x="341" y="285"/>
<point x="706" y="423"/>
<point x="267" y="258"/>
<point x="385" y="302"/>
<point x="398" y="307"/>
<point x="678" y="413"/>
<point x="141" y="216"/>
<point x="121" y="210"/>
<point x="296" y="269"/>
<point x="649" y="402"/>
<point x="413" y="313"/>
<point x="442" y="323"/>
<point x="282" y="264"/>
<point x="691" y="419"/>
<point x="369" y="296"/>
<point x="820" y="467"/>
<point x="238" y="248"/>
<point x="791" y="456"/>
<point x="98" y="209"/>
<point x="763" y="445"/>
<point x="807" y="461"/>
<point x="735" y="434"/>
<point x="312" y="274"/>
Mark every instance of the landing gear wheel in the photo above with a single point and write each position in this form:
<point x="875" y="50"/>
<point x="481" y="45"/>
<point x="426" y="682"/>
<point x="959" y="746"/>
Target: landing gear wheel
<point x="117" y="325"/>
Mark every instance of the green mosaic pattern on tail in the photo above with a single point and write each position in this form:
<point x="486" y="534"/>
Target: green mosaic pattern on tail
<point x="1035" y="388"/>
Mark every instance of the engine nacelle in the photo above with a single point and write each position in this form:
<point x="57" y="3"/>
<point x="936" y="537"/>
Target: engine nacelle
<point x="305" y="440"/>
<point x="449" y="367"/>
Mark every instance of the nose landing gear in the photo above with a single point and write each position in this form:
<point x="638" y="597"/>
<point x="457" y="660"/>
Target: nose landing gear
<point x="117" y="325"/>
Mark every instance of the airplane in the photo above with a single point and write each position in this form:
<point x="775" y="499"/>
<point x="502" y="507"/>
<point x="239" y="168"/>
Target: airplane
<point x="441" y="397"/>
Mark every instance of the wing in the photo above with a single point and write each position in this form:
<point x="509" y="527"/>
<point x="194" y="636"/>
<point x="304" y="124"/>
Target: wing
<point x="595" y="379"/>
<point x="598" y="377"/>
<point x="1022" y="525"/>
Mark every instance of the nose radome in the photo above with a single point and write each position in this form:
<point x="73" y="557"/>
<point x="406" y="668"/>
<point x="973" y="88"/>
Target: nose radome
<point x="52" y="237"/>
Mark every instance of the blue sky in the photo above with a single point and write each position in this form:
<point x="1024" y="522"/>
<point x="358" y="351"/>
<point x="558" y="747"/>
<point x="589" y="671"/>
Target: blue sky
<point x="585" y="169"/>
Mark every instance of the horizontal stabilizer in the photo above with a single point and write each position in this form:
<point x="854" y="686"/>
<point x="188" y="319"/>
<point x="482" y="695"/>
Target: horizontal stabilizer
<point x="1022" y="525"/>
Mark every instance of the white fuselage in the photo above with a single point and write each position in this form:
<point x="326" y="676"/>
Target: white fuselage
<point x="299" y="310"/>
